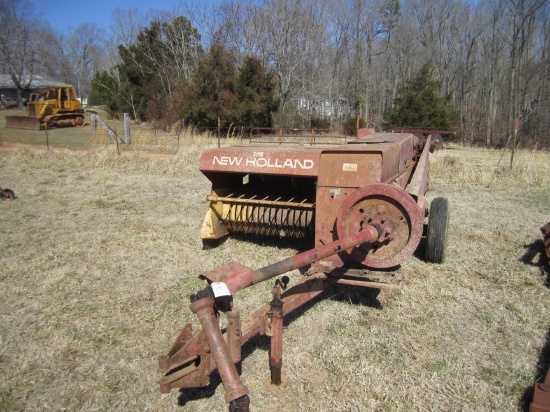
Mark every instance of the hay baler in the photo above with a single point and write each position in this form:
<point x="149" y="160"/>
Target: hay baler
<point x="363" y="206"/>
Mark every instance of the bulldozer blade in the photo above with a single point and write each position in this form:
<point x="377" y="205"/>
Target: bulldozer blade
<point x="22" y="122"/>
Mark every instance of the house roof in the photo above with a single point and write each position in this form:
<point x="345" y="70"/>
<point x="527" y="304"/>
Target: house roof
<point x="38" y="82"/>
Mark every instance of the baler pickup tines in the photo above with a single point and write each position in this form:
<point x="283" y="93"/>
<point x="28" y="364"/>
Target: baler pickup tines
<point x="254" y="210"/>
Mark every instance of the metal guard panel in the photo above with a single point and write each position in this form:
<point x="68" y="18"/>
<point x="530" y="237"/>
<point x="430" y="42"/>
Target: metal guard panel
<point x="289" y="161"/>
<point x="350" y="169"/>
<point x="396" y="149"/>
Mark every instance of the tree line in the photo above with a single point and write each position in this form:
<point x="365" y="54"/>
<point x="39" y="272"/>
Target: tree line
<point x="322" y="62"/>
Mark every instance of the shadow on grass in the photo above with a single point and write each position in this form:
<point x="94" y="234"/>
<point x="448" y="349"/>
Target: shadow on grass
<point x="535" y="250"/>
<point x="339" y="293"/>
<point x="535" y="255"/>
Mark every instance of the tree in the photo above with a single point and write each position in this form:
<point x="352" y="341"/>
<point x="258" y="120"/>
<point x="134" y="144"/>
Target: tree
<point x="256" y="95"/>
<point x="126" y="25"/>
<point x="18" y="43"/>
<point x="418" y="105"/>
<point x="151" y="69"/>
<point x="213" y="94"/>
<point x="85" y="48"/>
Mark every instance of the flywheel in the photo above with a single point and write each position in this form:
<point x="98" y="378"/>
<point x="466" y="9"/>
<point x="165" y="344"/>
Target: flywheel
<point x="394" y="212"/>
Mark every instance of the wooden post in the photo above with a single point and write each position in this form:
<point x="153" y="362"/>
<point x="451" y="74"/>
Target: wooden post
<point x="47" y="138"/>
<point x="127" y="128"/>
<point x="116" y="139"/>
<point x="219" y="131"/>
<point x="514" y="142"/>
<point x="179" y="134"/>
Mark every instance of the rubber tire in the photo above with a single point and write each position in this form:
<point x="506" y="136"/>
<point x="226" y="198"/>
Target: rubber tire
<point x="8" y="194"/>
<point x="438" y="223"/>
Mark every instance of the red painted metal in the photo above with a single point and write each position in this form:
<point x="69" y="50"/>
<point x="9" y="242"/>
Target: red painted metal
<point x="275" y="317"/>
<point x="251" y="277"/>
<point x="285" y="190"/>
<point x="541" y="396"/>
<point x="234" y="388"/>
<point x="397" y="213"/>
<point x="438" y="142"/>
<point x="545" y="230"/>
<point x="265" y="160"/>
<point x="191" y="359"/>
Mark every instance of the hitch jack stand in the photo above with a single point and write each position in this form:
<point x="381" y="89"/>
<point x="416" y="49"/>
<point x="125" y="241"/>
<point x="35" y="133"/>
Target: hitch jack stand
<point x="275" y="316"/>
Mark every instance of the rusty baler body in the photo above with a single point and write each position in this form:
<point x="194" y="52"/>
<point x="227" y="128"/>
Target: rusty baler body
<point x="48" y="108"/>
<point x="297" y="191"/>
<point x="361" y="204"/>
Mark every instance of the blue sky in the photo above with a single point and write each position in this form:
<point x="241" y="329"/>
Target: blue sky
<point x="62" y="14"/>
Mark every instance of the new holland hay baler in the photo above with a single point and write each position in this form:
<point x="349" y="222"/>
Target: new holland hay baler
<point x="363" y="206"/>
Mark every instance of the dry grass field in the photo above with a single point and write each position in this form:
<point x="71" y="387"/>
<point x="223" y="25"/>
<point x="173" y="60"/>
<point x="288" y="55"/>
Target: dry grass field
<point x="99" y="253"/>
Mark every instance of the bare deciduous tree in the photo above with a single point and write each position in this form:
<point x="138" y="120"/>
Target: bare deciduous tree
<point x="85" y="45"/>
<point x="19" y="29"/>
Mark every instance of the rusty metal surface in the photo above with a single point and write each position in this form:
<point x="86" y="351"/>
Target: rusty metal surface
<point x="297" y="136"/>
<point x="350" y="169"/>
<point x="189" y="363"/>
<point x="400" y="216"/>
<point x="418" y="185"/>
<point x="545" y="230"/>
<point x="275" y="331"/>
<point x="363" y="218"/>
<point x="236" y="206"/>
<point x="248" y="277"/>
<point x="541" y="396"/>
<point x="234" y="388"/>
<point x="438" y="141"/>
<point x="286" y="161"/>
<point x="191" y="359"/>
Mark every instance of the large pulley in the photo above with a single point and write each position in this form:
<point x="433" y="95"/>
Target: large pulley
<point x="396" y="215"/>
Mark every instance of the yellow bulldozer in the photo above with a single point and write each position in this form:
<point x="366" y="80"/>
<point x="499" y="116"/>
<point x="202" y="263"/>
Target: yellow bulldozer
<point x="48" y="108"/>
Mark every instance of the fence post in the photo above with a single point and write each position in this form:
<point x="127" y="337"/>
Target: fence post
<point x="127" y="129"/>
<point x="219" y="131"/>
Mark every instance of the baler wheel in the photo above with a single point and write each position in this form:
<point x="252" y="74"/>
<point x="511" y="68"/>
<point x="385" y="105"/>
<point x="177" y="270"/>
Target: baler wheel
<point x="438" y="223"/>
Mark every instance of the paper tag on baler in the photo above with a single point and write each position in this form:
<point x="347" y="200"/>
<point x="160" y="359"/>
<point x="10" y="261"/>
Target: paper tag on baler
<point x="220" y="289"/>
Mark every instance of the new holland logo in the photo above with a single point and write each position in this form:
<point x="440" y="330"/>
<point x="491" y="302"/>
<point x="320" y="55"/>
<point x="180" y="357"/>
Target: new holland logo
<point x="263" y="162"/>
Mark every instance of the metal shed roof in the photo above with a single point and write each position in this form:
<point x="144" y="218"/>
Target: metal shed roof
<point x="38" y="82"/>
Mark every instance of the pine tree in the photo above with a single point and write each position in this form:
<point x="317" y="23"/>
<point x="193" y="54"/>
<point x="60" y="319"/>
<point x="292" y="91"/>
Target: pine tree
<point x="418" y="105"/>
<point x="213" y="93"/>
<point x="256" y="95"/>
